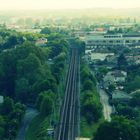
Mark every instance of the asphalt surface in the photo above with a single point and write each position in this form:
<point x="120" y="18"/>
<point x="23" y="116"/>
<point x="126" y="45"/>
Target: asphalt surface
<point x="107" y="108"/>
<point x="29" y="115"/>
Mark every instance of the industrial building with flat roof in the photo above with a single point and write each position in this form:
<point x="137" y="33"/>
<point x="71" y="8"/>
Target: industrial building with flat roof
<point x="112" y="40"/>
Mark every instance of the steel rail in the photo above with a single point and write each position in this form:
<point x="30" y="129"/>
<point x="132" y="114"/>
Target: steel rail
<point x="68" y="117"/>
<point x="72" y="105"/>
<point x="66" y="100"/>
<point x="69" y="104"/>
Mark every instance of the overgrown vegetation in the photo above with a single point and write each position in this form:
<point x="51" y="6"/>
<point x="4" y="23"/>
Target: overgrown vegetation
<point x="11" y="114"/>
<point x="118" y="128"/>
<point x="126" y="114"/>
<point x="91" y="109"/>
<point x="30" y="74"/>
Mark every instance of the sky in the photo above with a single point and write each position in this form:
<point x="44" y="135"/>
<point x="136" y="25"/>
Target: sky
<point x="66" y="4"/>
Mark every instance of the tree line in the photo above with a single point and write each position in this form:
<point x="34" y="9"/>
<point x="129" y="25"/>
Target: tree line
<point x="29" y="75"/>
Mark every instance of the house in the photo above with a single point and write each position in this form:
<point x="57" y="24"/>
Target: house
<point x="41" y="42"/>
<point x="100" y="56"/>
<point x="82" y="138"/>
<point x="133" y="59"/>
<point x="137" y="59"/>
<point x="114" y="77"/>
<point x="120" y="76"/>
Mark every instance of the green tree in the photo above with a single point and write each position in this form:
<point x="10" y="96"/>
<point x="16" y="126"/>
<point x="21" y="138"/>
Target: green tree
<point x="7" y="106"/>
<point x="29" y="67"/>
<point x="88" y="85"/>
<point x="45" y="102"/>
<point x="10" y="118"/>
<point x="57" y="46"/>
<point x="39" y="100"/>
<point x="122" y="62"/>
<point x="18" y="112"/>
<point x="87" y="75"/>
<point x="46" y="106"/>
<point x="101" y="73"/>
<point x="48" y="84"/>
<point x="2" y="133"/>
<point x="22" y="89"/>
<point x="7" y="79"/>
<point x="59" y="66"/>
<point x="111" y="88"/>
<point x="133" y="85"/>
<point x="118" y="128"/>
<point x="91" y="108"/>
<point x="45" y="30"/>
<point x="127" y="111"/>
<point x="135" y="101"/>
<point x="2" y="127"/>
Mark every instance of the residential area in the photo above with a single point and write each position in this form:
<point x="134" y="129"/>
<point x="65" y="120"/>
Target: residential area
<point x="69" y="74"/>
<point x="115" y="60"/>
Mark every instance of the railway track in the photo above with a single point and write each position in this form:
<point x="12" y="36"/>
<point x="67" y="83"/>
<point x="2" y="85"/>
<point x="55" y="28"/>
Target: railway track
<point x="68" y="125"/>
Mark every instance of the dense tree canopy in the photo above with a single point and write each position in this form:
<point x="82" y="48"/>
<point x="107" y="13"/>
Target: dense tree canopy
<point x="23" y="70"/>
<point x="91" y="107"/>
<point x="122" y="63"/>
<point x="118" y="129"/>
<point x="29" y="74"/>
<point x="11" y="114"/>
<point x="127" y="111"/>
<point x="135" y="101"/>
<point x="134" y="84"/>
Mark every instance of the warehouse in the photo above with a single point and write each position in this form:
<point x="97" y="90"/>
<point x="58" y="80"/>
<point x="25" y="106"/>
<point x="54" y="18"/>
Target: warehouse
<point x="112" y="40"/>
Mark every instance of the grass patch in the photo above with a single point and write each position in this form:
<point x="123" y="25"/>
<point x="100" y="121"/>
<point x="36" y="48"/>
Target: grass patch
<point x="38" y="128"/>
<point x="89" y="130"/>
<point x="34" y="127"/>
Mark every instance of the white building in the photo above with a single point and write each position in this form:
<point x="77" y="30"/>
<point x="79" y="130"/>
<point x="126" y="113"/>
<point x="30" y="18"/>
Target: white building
<point x="113" y="77"/>
<point x="82" y="138"/>
<point x="112" y="40"/>
<point x="41" y="42"/>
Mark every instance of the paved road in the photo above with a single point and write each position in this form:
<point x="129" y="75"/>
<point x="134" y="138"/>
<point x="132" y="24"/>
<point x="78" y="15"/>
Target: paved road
<point x="107" y="108"/>
<point x="29" y="115"/>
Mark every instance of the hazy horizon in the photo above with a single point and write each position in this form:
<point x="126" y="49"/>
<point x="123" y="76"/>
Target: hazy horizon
<point x="67" y="4"/>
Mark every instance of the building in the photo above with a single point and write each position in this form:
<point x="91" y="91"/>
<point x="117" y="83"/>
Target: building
<point x="82" y="138"/>
<point x="90" y="55"/>
<point x="133" y="59"/>
<point x="112" y="40"/>
<point x="114" y="77"/>
<point x="100" y="56"/>
<point x="41" y="42"/>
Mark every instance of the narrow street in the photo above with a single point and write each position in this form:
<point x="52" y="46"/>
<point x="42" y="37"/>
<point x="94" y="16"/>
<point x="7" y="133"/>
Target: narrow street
<point x="29" y="115"/>
<point x="107" y="108"/>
